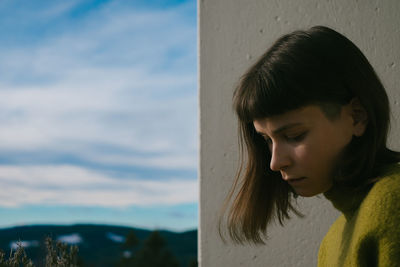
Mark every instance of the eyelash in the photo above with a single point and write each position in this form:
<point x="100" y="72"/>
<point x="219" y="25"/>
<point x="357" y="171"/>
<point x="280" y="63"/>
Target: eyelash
<point x="296" y="138"/>
<point x="293" y="139"/>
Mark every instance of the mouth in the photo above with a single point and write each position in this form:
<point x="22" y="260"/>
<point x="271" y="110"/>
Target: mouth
<point x="296" y="181"/>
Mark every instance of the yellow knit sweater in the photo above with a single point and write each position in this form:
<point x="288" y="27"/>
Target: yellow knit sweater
<point x="368" y="231"/>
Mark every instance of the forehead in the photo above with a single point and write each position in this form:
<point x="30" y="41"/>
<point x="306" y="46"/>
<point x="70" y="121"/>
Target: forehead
<point x="302" y="116"/>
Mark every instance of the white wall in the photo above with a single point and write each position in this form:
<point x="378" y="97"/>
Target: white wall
<point x="233" y="34"/>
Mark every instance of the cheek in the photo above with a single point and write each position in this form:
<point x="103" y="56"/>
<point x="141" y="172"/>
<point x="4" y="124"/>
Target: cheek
<point x="305" y="155"/>
<point x="314" y="157"/>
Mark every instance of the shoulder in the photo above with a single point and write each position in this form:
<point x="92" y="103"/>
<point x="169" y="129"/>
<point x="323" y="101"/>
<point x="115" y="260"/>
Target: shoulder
<point x="390" y="177"/>
<point x="381" y="216"/>
<point x="373" y="231"/>
<point x="382" y="203"/>
<point x="387" y="188"/>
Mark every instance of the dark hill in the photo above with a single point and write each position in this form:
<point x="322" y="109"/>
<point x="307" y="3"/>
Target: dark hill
<point x="99" y="245"/>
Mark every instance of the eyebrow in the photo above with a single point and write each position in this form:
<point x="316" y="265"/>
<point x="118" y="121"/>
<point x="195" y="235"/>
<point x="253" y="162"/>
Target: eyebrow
<point x="282" y="128"/>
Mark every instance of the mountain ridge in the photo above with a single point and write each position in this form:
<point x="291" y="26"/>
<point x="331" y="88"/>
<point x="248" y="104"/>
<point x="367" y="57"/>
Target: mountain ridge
<point x="99" y="244"/>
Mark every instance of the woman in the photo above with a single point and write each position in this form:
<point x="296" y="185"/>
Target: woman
<point x="314" y="117"/>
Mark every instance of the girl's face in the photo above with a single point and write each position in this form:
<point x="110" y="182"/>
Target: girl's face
<point x="305" y="145"/>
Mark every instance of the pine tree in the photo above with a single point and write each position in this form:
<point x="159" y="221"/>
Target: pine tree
<point x="131" y="241"/>
<point x="155" y="253"/>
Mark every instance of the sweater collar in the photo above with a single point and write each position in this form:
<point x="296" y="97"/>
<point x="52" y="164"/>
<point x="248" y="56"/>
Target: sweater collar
<point x="345" y="199"/>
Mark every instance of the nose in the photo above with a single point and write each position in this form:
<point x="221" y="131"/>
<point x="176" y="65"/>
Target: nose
<point x="280" y="158"/>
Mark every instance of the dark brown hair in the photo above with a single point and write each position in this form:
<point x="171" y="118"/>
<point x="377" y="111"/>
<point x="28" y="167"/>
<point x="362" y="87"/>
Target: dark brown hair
<point x="320" y="67"/>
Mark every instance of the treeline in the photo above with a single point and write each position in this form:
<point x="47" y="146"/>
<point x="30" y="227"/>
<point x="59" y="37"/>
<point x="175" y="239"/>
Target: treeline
<point x="153" y="252"/>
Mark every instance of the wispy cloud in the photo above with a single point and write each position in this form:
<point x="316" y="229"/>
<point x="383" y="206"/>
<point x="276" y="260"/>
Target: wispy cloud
<point x="114" y="86"/>
<point x="70" y="185"/>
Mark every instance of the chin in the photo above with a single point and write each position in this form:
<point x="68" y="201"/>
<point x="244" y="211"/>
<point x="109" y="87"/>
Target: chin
<point x="307" y="194"/>
<point x="305" y="191"/>
<point x="311" y="193"/>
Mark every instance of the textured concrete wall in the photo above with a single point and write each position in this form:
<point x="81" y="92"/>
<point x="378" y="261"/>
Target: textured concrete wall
<point x="233" y="34"/>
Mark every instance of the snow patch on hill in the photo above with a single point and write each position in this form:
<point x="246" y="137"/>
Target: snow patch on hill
<point x="71" y="239"/>
<point x="23" y="243"/>
<point x="114" y="237"/>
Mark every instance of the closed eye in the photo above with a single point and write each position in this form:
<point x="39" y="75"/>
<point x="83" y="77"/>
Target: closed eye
<point x="296" y="138"/>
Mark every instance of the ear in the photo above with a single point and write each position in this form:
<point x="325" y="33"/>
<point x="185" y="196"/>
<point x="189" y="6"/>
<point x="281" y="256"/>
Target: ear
<point x="360" y="117"/>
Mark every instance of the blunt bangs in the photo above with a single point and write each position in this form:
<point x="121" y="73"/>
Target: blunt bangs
<point x="259" y="97"/>
<point x="267" y="92"/>
<point x="295" y="72"/>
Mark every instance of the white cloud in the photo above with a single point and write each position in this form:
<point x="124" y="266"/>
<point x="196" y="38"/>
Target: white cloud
<point x="70" y="185"/>
<point x="110" y="79"/>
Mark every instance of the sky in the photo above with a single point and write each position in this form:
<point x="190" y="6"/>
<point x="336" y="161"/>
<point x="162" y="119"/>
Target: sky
<point x="98" y="113"/>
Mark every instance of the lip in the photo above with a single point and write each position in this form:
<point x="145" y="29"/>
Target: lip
<point x="296" y="180"/>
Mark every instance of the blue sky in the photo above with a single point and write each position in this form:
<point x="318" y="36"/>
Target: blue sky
<point x="98" y="113"/>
